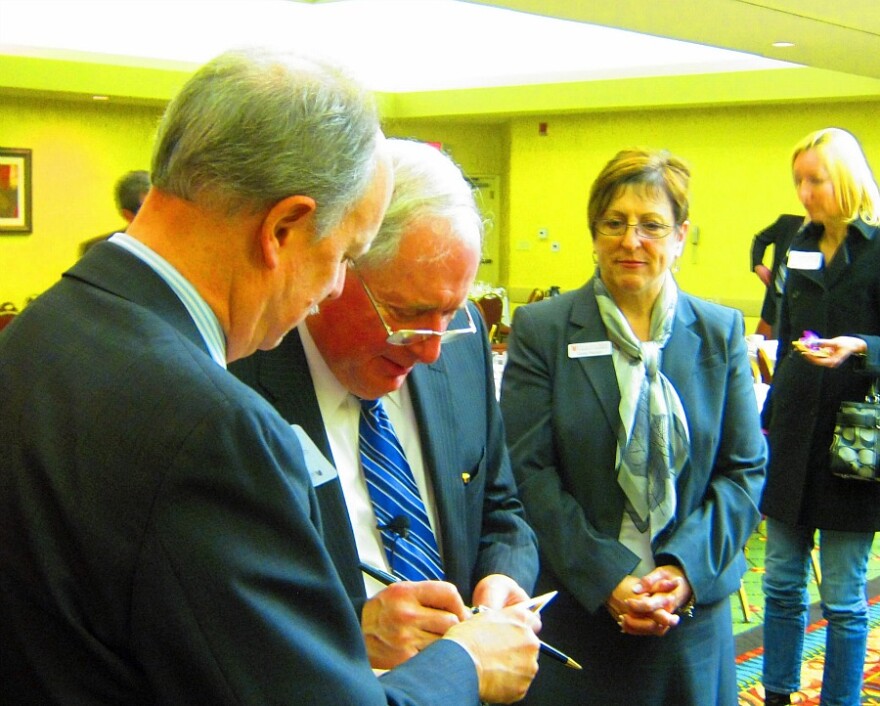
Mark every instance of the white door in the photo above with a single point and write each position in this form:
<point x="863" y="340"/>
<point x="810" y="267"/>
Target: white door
<point x="489" y="202"/>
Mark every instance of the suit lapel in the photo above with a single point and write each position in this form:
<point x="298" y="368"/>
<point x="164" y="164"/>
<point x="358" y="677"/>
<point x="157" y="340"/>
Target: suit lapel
<point x="285" y="378"/>
<point x="808" y="241"/>
<point x="679" y="355"/>
<point x="437" y="417"/>
<point x="114" y="269"/>
<point x="682" y="352"/>
<point x="857" y="241"/>
<point x="287" y="383"/>
<point x="585" y="325"/>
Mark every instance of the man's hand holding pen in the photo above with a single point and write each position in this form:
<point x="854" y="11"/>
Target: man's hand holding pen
<point x="504" y="646"/>
<point x="406" y="617"/>
<point x="499" y="633"/>
<point x="498" y="591"/>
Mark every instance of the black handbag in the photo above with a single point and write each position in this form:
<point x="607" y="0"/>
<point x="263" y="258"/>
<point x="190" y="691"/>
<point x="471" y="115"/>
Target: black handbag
<point x="855" y="447"/>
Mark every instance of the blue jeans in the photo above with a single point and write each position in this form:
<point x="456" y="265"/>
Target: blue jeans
<point x="844" y="564"/>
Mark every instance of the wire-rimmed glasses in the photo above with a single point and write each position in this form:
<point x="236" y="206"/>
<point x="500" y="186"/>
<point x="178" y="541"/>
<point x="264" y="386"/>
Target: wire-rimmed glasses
<point x="617" y="227"/>
<point x="409" y="336"/>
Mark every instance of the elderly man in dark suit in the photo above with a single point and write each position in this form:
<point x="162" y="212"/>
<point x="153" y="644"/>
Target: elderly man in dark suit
<point x="382" y="339"/>
<point x="160" y="539"/>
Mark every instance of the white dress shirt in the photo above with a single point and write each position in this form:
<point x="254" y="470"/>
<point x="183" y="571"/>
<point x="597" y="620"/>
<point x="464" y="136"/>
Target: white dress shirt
<point x="340" y="411"/>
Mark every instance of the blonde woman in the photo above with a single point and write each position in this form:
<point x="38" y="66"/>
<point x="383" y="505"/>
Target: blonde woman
<point x="833" y="290"/>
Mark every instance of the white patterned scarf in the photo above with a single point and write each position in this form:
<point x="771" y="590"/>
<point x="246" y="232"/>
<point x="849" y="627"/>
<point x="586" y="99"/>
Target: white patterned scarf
<point x="652" y="451"/>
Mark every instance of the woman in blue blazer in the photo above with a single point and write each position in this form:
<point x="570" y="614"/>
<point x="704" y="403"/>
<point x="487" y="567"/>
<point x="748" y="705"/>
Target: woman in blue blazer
<point x="634" y="437"/>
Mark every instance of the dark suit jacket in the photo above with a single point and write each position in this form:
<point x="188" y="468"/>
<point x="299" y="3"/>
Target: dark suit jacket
<point x="159" y="536"/>
<point x="779" y="234"/>
<point x="481" y="523"/>
<point x="91" y="242"/>
<point x="562" y="420"/>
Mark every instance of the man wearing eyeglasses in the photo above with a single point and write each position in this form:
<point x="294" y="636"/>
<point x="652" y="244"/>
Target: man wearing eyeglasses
<point x="401" y="332"/>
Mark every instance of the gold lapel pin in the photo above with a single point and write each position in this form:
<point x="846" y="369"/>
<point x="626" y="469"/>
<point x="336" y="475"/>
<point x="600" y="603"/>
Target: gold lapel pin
<point x="465" y="478"/>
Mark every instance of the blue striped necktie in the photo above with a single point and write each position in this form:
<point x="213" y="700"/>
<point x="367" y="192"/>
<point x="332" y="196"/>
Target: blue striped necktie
<point x="394" y="494"/>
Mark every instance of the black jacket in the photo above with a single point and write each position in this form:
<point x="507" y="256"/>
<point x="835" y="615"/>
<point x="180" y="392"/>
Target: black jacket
<point x="840" y="299"/>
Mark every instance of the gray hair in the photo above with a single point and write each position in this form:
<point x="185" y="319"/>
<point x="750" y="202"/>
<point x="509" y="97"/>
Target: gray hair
<point x="428" y="185"/>
<point x="253" y="127"/>
<point x="131" y="188"/>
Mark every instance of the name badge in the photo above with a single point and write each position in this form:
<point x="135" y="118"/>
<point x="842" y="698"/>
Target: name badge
<point x="804" y="260"/>
<point x="589" y="349"/>
<point x="320" y="469"/>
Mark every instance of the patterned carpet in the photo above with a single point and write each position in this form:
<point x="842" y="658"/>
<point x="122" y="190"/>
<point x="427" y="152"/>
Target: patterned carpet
<point x="749" y="635"/>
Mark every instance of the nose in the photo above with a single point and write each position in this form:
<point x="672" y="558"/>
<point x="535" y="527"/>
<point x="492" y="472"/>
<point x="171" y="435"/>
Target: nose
<point x="631" y="239"/>
<point x="427" y="351"/>
<point x="338" y="282"/>
<point x="803" y="191"/>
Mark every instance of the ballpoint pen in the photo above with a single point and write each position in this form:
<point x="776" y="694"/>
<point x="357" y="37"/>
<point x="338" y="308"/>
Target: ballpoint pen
<point x="380" y="575"/>
<point x="534" y="604"/>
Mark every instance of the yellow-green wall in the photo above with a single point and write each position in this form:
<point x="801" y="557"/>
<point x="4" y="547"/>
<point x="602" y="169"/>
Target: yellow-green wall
<point x="739" y="157"/>
<point x="741" y="181"/>
<point x="79" y="150"/>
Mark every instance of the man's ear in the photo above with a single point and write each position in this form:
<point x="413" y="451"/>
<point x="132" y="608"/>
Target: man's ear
<point x="291" y="221"/>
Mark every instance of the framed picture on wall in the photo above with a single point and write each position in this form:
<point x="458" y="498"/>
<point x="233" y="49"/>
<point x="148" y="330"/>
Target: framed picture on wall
<point x="15" y="190"/>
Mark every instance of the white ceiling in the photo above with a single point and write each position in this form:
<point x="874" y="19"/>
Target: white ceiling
<point x="413" y="45"/>
<point x="839" y="35"/>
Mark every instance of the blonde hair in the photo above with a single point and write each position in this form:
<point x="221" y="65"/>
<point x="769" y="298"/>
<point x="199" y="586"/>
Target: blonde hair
<point x="855" y="188"/>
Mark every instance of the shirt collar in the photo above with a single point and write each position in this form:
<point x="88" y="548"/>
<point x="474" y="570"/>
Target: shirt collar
<point x="866" y="231"/>
<point x="333" y="392"/>
<point x="203" y="317"/>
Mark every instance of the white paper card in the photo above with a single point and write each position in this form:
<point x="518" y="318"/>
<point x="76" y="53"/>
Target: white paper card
<point x="589" y="349"/>
<point x="320" y="469"/>
<point x="804" y="260"/>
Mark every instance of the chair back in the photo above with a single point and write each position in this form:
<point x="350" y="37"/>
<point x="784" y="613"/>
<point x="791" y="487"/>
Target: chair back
<point x="765" y="365"/>
<point x="536" y="295"/>
<point x="7" y="314"/>
<point x="492" y="307"/>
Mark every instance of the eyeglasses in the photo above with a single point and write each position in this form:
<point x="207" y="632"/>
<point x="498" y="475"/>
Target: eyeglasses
<point x="409" y="336"/>
<point x="616" y="227"/>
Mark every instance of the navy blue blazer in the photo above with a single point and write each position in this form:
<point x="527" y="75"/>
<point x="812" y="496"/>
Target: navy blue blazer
<point x="160" y="540"/>
<point x="482" y="527"/>
<point x="562" y="419"/>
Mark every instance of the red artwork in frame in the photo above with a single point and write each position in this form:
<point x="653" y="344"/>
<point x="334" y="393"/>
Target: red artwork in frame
<point x="15" y="191"/>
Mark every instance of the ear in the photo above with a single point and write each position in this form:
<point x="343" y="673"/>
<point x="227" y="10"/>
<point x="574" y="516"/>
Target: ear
<point x="683" y="230"/>
<point x="290" y="222"/>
